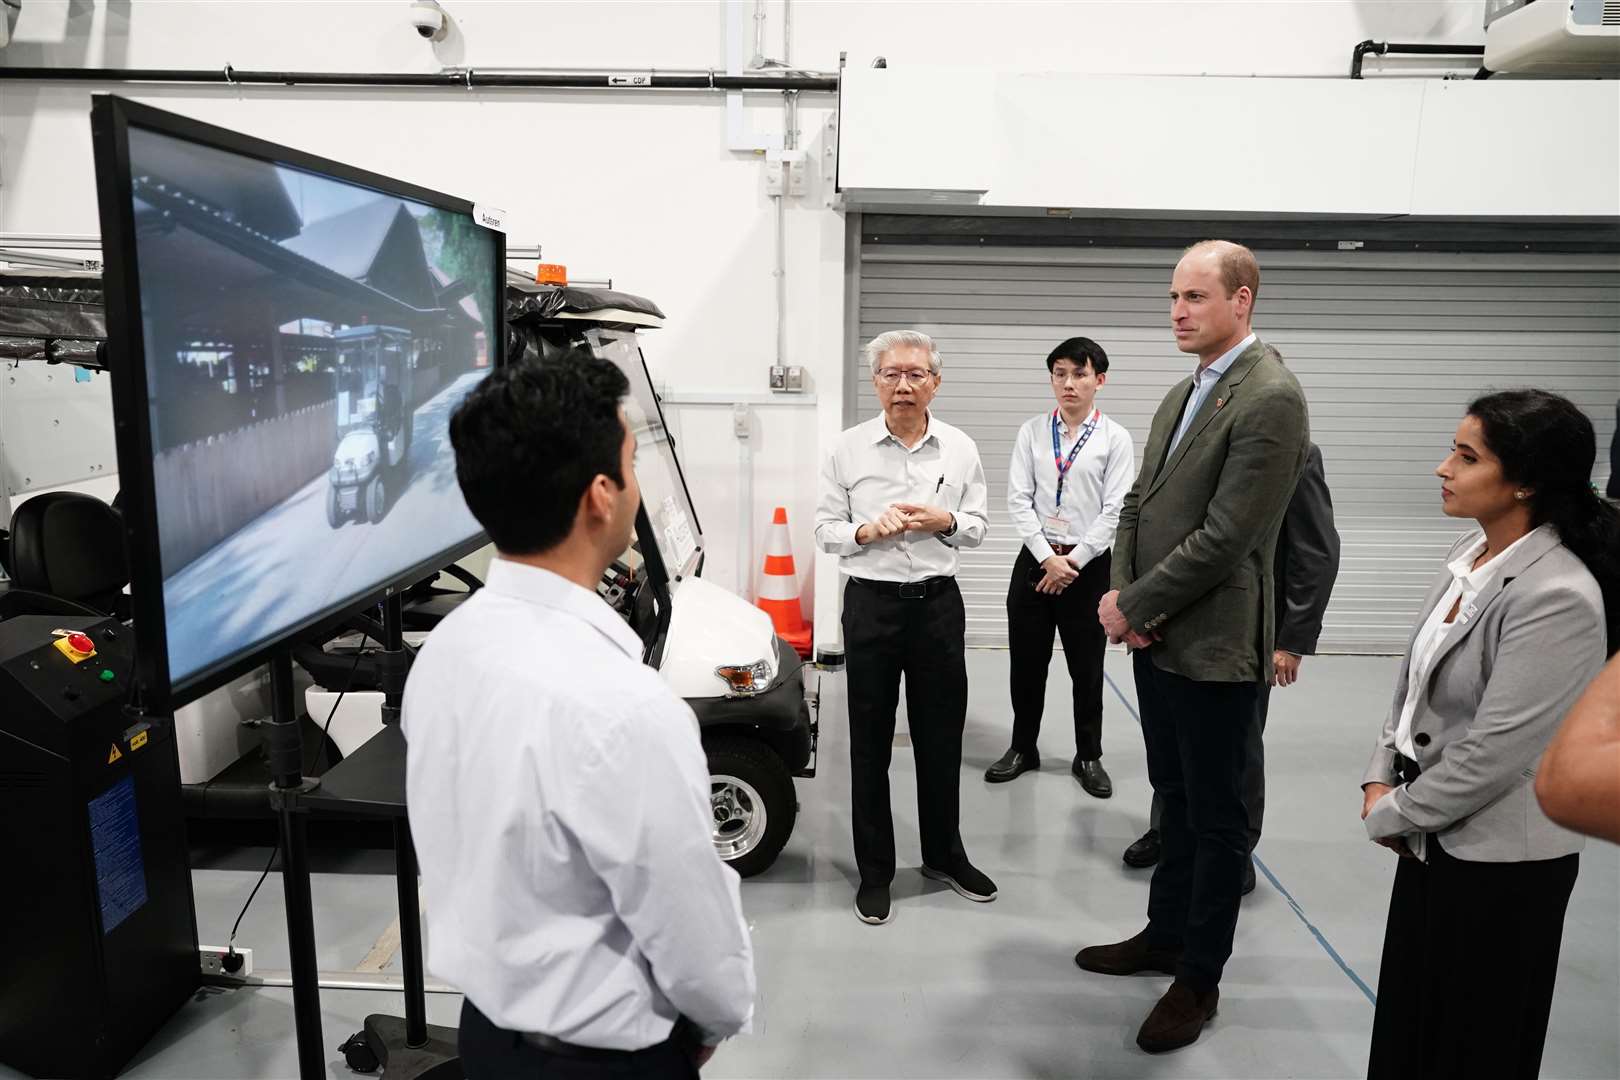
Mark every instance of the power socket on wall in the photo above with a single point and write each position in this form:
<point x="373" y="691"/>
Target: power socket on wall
<point x="212" y="960"/>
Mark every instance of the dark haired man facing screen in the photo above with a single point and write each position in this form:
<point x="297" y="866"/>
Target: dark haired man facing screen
<point x="558" y="790"/>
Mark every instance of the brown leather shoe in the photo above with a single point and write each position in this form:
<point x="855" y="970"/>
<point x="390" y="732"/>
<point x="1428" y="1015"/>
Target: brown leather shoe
<point x="1178" y="1019"/>
<point x="1128" y="958"/>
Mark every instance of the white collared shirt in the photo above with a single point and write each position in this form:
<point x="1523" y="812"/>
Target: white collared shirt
<point x="1466" y="584"/>
<point x="870" y="470"/>
<point x="1094" y="487"/>
<point x="1204" y="380"/>
<point x="559" y="798"/>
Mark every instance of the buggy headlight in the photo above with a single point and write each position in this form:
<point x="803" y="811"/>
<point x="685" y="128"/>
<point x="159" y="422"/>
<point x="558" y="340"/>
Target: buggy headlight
<point x="744" y="680"/>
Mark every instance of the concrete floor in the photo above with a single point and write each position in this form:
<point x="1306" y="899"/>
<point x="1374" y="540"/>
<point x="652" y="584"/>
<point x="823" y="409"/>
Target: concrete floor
<point x="955" y="989"/>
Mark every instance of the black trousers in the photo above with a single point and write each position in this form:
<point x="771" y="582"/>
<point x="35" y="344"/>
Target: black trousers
<point x="1196" y="735"/>
<point x="1254" y="772"/>
<point x="1470" y="956"/>
<point x="886" y="636"/>
<point x="1031" y="619"/>
<point x="492" y="1053"/>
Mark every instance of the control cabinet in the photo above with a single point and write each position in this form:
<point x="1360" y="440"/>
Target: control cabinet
<point x="98" y="937"/>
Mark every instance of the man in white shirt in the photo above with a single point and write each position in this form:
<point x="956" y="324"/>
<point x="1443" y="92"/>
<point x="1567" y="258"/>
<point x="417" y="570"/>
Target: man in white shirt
<point x="1068" y="477"/>
<point x="899" y="494"/>
<point x="558" y="790"/>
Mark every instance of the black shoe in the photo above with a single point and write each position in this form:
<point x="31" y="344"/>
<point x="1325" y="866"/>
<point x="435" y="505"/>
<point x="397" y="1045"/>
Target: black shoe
<point x="1010" y="766"/>
<point x="1248" y="876"/>
<point x="1178" y="1019"/>
<point x="966" y="880"/>
<point x="1093" y="777"/>
<point x="1130" y="957"/>
<point x="872" y="904"/>
<point x="1145" y="852"/>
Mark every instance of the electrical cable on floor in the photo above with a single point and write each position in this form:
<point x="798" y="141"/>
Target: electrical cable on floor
<point x="231" y="962"/>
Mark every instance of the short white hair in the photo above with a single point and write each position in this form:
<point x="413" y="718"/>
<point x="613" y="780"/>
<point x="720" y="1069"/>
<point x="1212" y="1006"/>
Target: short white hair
<point x="889" y="340"/>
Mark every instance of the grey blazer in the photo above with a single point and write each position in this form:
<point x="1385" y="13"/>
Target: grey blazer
<point x="1499" y="687"/>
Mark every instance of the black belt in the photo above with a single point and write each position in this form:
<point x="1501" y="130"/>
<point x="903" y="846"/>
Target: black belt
<point x="1062" y="549"/>
<point x="1407" y="769"/>
<point x="589" y="1053"/>
<point x="907" y="590"/>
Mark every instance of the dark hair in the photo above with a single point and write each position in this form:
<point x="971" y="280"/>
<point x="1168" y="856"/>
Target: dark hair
<point x="1081" y="350"/>
<point x="1548" y="445"/>
<point x="529" y="441"/>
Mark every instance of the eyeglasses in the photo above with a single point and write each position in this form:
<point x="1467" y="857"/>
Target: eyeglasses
<point x="1060" y="378"/>
<point x="892" y="377"/>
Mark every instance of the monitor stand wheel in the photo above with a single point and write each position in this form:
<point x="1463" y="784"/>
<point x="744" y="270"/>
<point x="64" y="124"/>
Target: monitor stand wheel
<point x="382" y="1045"/>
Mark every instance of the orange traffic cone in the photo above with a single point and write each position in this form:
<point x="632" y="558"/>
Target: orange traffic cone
<point x="779" y="587"/>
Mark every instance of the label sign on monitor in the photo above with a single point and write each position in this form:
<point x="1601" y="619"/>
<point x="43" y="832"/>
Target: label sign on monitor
<point x="115" y="839"/>
<point x="490" y="217"/>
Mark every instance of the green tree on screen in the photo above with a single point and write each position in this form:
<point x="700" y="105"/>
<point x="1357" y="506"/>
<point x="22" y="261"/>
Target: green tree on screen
<point x="464" y="251"/>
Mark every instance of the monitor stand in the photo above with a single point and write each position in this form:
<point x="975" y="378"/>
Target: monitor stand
<point x="368" y="783"/>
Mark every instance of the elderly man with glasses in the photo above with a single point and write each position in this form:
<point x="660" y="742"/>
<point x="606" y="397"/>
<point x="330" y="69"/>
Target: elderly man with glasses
<point x="900" y="494"/>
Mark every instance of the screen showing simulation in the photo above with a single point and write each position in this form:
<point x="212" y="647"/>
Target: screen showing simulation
<point x="306" y="339"/>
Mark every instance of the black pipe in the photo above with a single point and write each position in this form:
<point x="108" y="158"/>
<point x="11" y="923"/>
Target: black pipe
<point x="286" y="755"/>
<point x="410" y="936"/>
<point x="467" y="79"/>
<point x="1384" y="48"/>
<point x="405" y="869"/>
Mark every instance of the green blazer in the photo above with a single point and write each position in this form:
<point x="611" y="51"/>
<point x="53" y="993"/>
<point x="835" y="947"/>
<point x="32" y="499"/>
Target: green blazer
<point x="1193" y="555"/>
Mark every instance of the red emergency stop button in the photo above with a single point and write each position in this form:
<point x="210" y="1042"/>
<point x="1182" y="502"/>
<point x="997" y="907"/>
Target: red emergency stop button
<point x="74" y="645"/>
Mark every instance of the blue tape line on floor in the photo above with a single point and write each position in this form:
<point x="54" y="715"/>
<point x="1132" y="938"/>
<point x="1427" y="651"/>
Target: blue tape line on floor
<point x="1327" y="946"/>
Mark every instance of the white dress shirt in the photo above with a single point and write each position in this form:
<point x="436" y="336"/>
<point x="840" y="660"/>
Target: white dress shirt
<point x="870" y="470"/>
<point x="559" y="798"/>
<point x="1094" y="487"/>
<point x="1466" y="583"/>
<point x="1204" y="380"/>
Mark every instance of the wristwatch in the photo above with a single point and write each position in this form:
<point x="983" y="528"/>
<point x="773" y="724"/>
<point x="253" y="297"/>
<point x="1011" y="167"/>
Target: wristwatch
<point x="952" y="530"/>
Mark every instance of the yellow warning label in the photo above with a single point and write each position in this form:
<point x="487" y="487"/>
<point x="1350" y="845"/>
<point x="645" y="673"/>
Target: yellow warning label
<point x="113" y="754"/>
<point x="138" y="741"/>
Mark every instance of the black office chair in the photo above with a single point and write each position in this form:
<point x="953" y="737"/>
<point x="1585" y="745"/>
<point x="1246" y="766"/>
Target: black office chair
<point x="65" y="556"/>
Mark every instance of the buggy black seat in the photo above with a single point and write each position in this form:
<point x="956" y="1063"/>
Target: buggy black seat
<point x="65" y="556"/>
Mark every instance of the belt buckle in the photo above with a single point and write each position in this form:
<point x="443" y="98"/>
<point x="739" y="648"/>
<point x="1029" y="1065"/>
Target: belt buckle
<point x="913" y="590"/>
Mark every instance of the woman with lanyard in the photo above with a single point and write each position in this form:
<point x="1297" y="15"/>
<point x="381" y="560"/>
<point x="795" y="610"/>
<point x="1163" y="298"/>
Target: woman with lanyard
<point x="1065" y="508"/>
<point x="1516" y="624"/>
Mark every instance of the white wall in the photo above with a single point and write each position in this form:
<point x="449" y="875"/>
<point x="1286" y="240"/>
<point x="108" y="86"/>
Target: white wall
<point x="641" y="186"/>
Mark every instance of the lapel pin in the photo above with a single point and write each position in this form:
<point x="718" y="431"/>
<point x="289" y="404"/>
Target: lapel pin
<point x="1219" y="402"/>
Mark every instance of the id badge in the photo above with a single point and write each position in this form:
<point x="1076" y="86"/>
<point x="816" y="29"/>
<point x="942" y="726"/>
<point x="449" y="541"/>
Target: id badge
<point x="1057" y="527"/>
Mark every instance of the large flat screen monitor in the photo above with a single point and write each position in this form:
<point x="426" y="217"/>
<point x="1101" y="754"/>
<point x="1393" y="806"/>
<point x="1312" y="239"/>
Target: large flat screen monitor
<point x="288" y="337"/>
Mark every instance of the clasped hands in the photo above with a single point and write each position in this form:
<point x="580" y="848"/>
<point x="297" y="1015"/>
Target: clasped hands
<point x="1117" y="627"/>
<point x="903" y="518"/>
<point x="1060" y="574"/>
<point x="1371" y="793"/>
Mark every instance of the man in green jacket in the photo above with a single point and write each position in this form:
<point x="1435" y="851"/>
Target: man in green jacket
<point x="1192" y="576"/>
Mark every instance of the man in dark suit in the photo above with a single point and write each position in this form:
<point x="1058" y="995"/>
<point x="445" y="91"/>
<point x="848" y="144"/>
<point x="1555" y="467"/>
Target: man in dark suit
<point x="1613" y="488"/>
<point x="1306" y="566"/>
<point x="1192" y="569"/>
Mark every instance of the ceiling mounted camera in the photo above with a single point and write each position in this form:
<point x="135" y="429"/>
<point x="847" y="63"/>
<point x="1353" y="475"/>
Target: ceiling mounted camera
<point x="429" y="19"/>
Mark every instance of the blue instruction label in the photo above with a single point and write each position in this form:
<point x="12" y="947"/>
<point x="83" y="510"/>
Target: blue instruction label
<point x="115" y="837"/>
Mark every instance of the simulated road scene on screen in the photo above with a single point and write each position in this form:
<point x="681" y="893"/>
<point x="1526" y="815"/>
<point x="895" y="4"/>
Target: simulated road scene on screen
<point x="306" y="341"/>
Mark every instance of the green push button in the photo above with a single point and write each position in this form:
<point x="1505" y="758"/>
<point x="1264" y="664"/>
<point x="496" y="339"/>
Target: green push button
<point x="107" y="676"/>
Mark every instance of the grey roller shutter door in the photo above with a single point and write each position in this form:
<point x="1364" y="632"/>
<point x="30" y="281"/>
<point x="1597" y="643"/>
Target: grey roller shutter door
<point x="1389" y="348"/>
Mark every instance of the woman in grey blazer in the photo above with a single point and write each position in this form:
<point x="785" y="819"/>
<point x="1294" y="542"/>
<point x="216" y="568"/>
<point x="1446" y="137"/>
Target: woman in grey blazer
<point x="1513" y="629"/>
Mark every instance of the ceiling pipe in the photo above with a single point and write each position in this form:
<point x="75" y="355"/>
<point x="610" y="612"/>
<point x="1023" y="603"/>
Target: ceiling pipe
<point x="1385" y="48"/>
<point x="466" y="78"/>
